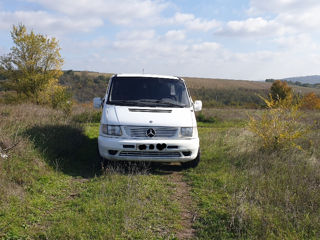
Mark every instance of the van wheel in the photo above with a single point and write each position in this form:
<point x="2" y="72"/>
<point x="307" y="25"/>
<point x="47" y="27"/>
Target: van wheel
<point x="193" y="163"/>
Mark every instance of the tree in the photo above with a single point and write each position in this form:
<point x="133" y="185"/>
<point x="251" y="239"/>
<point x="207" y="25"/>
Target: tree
<point x="280" y="90"/>
<point x="33" y="67"/>
<point x="310" y="101"/>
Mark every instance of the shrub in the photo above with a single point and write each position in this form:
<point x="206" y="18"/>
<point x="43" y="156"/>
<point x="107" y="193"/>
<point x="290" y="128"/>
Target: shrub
<point x="87" y="117"/>
<point x="279" y="126"/>
<point x="56" y="96"/>
<point x="280" y="90"/>
<point x="310" y="101"/>
<point x="202" y="118"/>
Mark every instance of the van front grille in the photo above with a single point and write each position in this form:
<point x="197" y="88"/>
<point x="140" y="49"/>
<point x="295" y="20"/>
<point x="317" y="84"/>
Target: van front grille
<point x="147" y="154"/>
<point x="160" y="132"/>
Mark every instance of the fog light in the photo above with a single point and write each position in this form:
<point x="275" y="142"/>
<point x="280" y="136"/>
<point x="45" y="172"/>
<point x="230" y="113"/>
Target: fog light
<point x="142" y="147"/>
<point x="113" y="152"/>
<point x="186" y="154"/>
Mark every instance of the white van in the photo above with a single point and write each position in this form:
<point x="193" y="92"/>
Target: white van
<point x="148" y="118"/>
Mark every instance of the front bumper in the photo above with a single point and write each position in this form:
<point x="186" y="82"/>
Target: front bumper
<point x="155" y="150"/>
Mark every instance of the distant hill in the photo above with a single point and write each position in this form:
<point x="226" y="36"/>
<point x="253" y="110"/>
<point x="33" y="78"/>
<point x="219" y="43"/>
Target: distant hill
<point x="85" y="85"/>
<point x="235" y="93"/>
<point x="314" y="79"/>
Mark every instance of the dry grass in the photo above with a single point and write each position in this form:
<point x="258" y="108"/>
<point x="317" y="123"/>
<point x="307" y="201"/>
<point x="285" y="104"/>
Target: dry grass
<point x="224" y="83"/>
<point x="52" y="185"/>
<point x="247" y="193"/>
<point x="230" y="114"/>
<point x="212" y="83"/>
<point x="92" y="74"/>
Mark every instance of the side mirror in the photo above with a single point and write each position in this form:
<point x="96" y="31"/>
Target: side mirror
<point x="197" y="106"/>
<point x="97" y="102"/>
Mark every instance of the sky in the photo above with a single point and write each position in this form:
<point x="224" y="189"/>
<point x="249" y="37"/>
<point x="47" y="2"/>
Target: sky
<point x="233" y="39"/>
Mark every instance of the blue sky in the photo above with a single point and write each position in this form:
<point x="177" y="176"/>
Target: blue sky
<point x="236" y="39"/>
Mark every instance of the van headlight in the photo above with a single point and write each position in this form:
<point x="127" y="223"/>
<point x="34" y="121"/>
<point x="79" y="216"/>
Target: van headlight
<point x="186" y="131"/>
<point x="112" y="130"/>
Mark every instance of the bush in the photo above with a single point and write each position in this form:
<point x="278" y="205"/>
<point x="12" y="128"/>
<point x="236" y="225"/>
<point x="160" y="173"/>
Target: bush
<point x="280" y="90"/>
<point x="56" y="96"/>
<point x="87" y="117"/>
<point x="279" y="126"/>
<point x="310" y="102"/>
<point x="202" y="118"/>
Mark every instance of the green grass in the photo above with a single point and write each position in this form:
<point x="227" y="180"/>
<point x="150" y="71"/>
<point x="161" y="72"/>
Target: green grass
<point x="54" y="186"/>
<point x="245" y="193"/>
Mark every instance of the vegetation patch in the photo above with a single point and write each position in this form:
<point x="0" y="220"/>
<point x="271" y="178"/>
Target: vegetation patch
<point x="54" y="187"/>
<point x="243" y="192"/>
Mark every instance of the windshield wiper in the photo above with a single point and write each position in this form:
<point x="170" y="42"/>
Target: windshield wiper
<point x="127" y="103"/>
<point x="172" y="104"/>
<point x="162" y="102"/>
<point x="146" y="103"/>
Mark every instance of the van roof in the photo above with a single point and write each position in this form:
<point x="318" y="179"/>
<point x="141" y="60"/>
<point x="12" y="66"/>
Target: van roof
<point x="146" y="75"/>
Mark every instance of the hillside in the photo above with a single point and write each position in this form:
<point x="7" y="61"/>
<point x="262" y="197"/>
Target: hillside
<point x="85" y="85"/>
<point x="214" y="83"/>
<point x="313" y="79"/>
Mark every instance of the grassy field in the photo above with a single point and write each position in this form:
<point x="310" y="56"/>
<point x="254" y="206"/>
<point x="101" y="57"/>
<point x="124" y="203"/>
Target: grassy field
<point x="215" y="93"/>
<point x="52" y="185"/>
<point x="227" y="84"/>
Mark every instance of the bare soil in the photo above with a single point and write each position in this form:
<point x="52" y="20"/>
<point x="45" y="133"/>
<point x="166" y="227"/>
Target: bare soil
<point x="188" y="216"/>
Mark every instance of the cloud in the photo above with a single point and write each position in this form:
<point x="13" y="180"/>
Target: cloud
<point x="49" y="23"/>
<point x="119" y="12"/>
<point x="302" y="21"/>
<point x="175" y="35"/>
<point x="301" y="43"/>
<point x="193" y="23"/>
<point x="280" y="6"/>
<point x="206" y="47"/>
<point x="257" y="27"/>
<point x="300" y="16"/>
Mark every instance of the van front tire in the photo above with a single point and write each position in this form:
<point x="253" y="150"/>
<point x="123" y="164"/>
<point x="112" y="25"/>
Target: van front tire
<point x="193" y="163"/>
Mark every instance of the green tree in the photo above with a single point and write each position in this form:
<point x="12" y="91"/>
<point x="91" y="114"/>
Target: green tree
<point x="280" y="90"/>
<point x="33" y="67"/>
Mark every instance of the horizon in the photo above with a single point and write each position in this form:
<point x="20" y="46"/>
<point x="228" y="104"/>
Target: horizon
<point x="240" y="40"/>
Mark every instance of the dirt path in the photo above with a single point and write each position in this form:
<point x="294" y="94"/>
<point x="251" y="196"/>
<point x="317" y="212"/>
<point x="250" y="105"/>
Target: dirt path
<point x="182" y="195"/>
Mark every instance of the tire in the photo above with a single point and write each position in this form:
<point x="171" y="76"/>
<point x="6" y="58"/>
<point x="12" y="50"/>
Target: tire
<point x="193" y="163"/>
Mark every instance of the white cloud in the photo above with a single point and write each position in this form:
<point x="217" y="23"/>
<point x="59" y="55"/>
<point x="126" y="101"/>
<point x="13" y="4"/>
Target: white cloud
<point x="279" y="6"/>
<point x="119" y="12"/>
<point x="254" y="27"/>
<point x="302" y="43"/>
<point x="302" y="21"/>
<point x="207" y="47"/>
<point x="175" y="35"/>
<point x="44" y="21"/>
<point x="137" y="50"/>
<point x="97" y="43"/>
<point x="193" y="23"/>
<point x="299" y="16"/>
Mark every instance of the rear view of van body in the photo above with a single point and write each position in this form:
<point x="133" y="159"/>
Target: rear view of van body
<point x="148" y="118"/>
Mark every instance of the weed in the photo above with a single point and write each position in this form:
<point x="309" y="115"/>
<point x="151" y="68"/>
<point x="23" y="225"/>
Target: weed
<point x="245" y="193"/>
<point x="280" y="126"/>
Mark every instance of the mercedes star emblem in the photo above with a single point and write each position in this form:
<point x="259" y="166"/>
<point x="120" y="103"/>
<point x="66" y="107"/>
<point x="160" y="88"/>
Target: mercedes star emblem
<point x="151" y="132"/>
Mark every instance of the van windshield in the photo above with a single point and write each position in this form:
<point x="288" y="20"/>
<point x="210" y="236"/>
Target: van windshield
<point x="148" y="91"/>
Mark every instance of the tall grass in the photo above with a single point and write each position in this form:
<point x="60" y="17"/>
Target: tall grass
<point x="52" y="185"/>
<point x="245" y="192"/>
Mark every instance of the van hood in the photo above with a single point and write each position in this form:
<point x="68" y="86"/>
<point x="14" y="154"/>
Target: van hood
<point x="148" y="116"/>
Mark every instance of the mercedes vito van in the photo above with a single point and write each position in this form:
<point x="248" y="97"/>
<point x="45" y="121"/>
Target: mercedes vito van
<point x="148" y="118"/>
